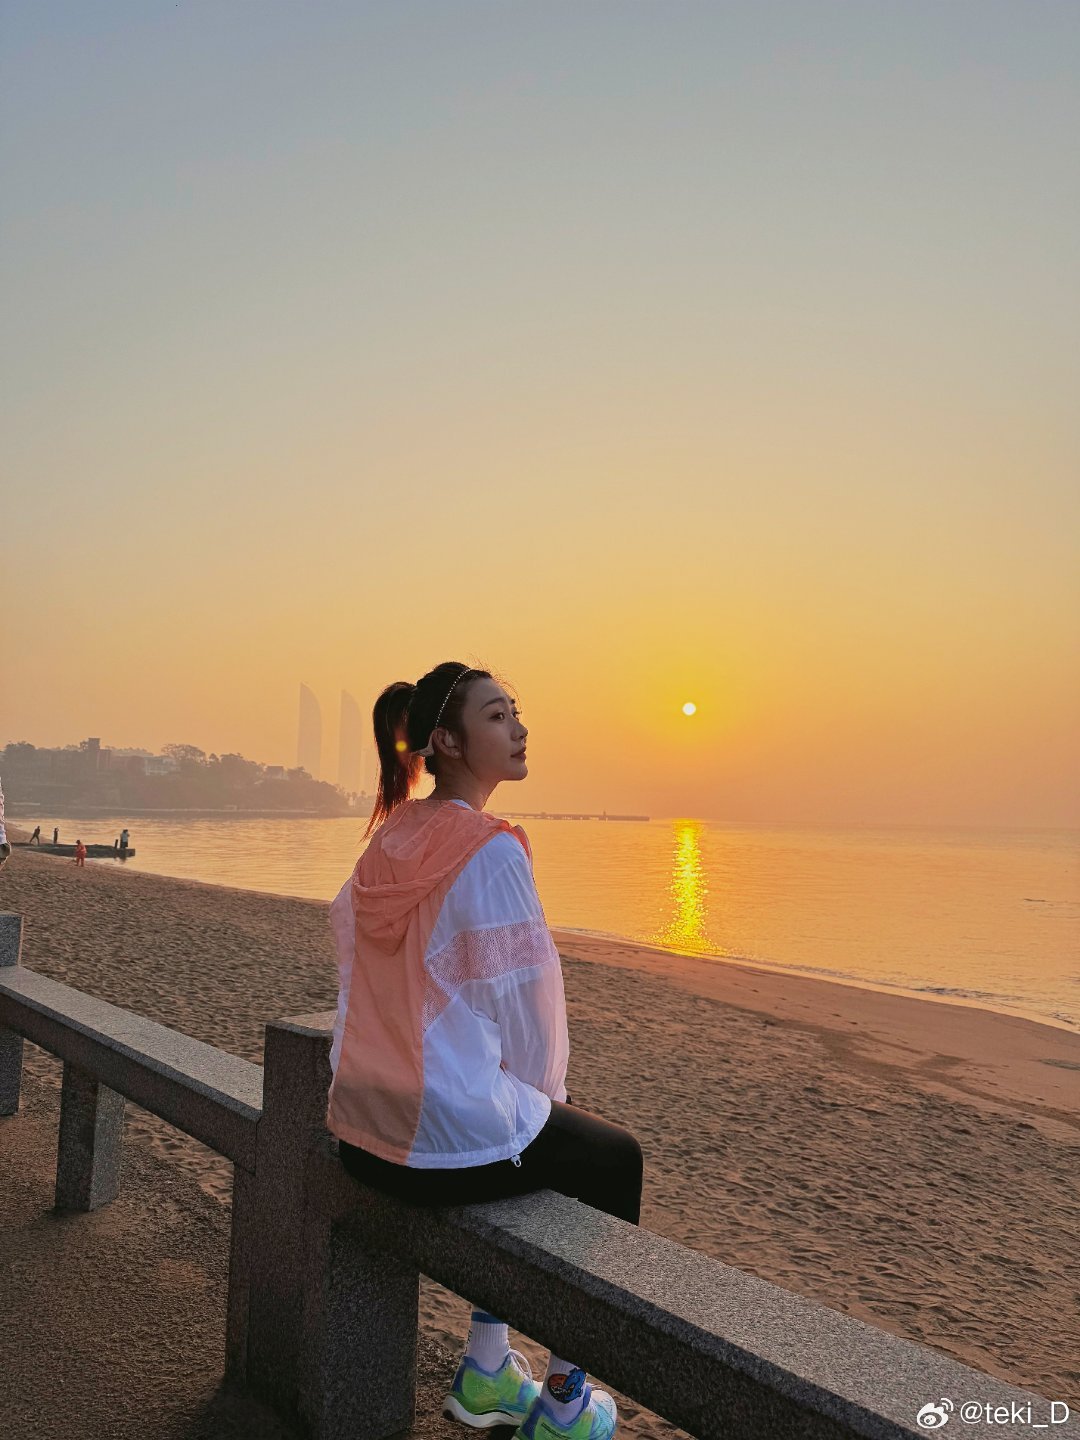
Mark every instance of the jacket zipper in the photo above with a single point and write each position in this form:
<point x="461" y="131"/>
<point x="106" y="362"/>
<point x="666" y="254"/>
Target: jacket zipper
<point x="516" y="1160"/>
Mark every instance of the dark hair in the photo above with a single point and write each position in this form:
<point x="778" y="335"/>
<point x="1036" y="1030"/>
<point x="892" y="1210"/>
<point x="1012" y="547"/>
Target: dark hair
<point x="406" y="713"/>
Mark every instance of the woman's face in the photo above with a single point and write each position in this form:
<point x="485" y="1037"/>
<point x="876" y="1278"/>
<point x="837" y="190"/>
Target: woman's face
<point x="495" y="733"/>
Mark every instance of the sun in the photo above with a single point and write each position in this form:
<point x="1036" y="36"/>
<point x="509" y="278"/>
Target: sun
<point x="689" y="708"/>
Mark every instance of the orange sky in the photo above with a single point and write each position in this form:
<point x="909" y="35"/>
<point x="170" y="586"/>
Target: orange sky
<point x="669" y="364"/>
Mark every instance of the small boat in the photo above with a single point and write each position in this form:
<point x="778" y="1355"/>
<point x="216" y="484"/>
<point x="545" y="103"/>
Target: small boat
<point x="93" y="852"/>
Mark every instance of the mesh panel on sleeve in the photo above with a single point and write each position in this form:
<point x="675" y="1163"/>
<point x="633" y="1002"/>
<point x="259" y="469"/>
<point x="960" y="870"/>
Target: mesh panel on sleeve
<point x="484" y="955"/>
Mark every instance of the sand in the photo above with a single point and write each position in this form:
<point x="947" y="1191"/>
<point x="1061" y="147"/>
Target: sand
<point x="909" y="1162"/>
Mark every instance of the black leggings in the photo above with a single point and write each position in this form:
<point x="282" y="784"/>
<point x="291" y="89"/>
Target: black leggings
<point x="576" y="1153"/>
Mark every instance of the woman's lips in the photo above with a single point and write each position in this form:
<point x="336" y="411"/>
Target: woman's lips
<point x="519" y="756"/>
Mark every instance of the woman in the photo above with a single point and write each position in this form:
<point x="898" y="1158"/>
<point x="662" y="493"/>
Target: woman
<point x="450" y="1046"/>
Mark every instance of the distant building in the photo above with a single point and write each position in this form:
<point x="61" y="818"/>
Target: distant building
<point x="350" y="745"/>
<point x="309" y="736"/>
<point x="274" y="772"/>
<point x="97" y="759"/>
<point x="131" y="761"/>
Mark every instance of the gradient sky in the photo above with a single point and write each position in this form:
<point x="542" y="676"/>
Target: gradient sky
<point x="643" y="352"/>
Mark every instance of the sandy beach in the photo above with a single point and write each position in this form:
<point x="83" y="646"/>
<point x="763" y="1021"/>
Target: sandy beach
<point x="909" y="1162"/>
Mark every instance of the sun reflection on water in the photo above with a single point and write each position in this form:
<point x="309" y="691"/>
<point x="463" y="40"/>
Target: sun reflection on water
<point x="688" y="927"/>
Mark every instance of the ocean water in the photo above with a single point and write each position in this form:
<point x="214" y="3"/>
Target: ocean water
<point x="976" y="916"/>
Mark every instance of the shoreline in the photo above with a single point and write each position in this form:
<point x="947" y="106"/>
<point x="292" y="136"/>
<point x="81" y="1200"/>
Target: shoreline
<point x="851" y="982"/>
<point x="994" y="1059"/>
<point x="625" y="952"/>
<point x="1012" y="1063"/>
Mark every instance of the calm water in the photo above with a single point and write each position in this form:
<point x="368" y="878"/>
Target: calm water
<point x="990" y="917"/>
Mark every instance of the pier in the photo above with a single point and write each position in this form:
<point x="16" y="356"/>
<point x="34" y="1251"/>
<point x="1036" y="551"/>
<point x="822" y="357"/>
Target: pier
<point x="93" y="852"/>
<point x="565" y="815"/>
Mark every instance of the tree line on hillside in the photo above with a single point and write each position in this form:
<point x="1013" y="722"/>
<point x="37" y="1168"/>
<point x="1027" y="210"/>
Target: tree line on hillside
<point x="79" y="775"/>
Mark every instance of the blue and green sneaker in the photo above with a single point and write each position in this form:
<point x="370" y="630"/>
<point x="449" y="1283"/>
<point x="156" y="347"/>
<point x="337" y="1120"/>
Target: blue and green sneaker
<point x="597" y="1419"/>
<point x="482" y="1399"/>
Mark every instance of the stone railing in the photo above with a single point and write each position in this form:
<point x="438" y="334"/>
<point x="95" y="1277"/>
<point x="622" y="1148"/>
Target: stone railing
<point x="111" y="1055"/>
<point x="324" y="1272"/>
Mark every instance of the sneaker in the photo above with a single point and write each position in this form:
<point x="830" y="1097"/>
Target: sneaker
<point x="482" y="1399"/>
<point x="597" y="1420"/>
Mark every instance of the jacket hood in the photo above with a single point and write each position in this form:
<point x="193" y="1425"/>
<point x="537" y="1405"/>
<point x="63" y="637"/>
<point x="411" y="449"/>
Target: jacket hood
<point x="412" y="852"/>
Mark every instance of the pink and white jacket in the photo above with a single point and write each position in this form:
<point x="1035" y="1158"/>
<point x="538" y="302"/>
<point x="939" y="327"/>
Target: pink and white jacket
<point x="450" y="1041"/>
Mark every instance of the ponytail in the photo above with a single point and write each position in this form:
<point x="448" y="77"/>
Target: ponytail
<point x="397" y="768"/>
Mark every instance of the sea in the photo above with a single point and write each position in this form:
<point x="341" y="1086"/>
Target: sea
<point x="984" y="917"/>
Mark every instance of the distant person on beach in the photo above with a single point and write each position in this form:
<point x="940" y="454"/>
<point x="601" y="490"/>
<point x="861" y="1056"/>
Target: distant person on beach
<point x="123" y="840"/>
<point x="80" y="853"/>
<point x="35" y="838"/>
<point x="5" y="848"/>
<point x="450" y="1048"/>
<point x="56" y="835"/>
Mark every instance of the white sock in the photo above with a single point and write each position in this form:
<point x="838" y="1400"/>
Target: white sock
<point x="489" y="1341"/>
<point x="564" y="1389"/>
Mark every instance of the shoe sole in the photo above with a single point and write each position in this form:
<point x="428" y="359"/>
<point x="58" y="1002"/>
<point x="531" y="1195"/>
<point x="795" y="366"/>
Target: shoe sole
<point x="454" y="1410"/>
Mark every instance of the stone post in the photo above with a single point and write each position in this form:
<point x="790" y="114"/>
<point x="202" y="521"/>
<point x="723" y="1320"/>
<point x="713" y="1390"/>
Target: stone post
<point x="239" y="1306"/>
<point x="91" y="1142"/>
<point x="332" y="1329"/>
<point x="11" y="1045"/>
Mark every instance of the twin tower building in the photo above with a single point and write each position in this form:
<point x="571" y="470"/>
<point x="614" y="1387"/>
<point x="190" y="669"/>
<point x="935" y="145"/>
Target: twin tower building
<point x="353" y="755"/>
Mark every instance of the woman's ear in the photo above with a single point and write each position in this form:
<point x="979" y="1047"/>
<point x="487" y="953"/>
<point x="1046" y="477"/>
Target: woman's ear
<point x="449" y="745"/>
